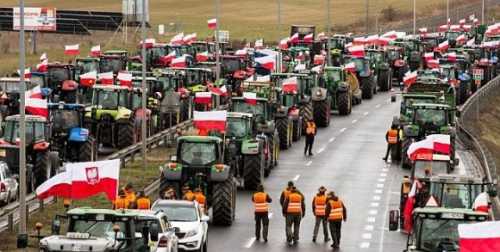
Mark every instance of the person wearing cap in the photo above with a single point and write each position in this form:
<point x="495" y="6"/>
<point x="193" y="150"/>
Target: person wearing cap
<point x="187" y="194"/>
<point x="121" y="202"/>
<point x="261" y="202"/>
<point x="143" y="201"/>
<point x="286" y="192"/>
<point x="294" y="210"/>
<point x="336" y="212"/>
<point x="319" y="210"/>
<point x="130" y="194"/>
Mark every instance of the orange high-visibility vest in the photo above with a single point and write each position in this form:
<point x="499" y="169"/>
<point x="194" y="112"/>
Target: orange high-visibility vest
<point x="201" y="199"/>
<point x="336" y="211"/>
<point x="130" y="196"/>
<point x="311" y="128"/>
<point x="121" y="203"/>
<point x="320" y="205"/>
<point x="294" y="203"/>
<point x="143" y="203"/>
<point x="260" y="202"/>
<point x="189" y="196"/>
<point x="392" y="136"/>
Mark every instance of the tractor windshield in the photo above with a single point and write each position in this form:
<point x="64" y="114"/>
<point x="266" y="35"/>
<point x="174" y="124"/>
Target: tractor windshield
<point x="168" y="82"/>
<point x="198" y="154"/>
<point x="432" y="117"/>
<point x="110" y="99"/>
<point x="111" y="64"/>
<point x="56" y="75"/>
<point x="10" y="86"/>
<point x="435" y="231"/>
<point x="452" y="35"/>
<point x="242" y="106"/>
<point x="230" y="65"/>
<point x="455" y="195"/>
<point x="288" y="100"/>
<point x="63" y="120"/>
<point x="334" y="76"/>
<point x="393" y="55"/>
<point x="431" y="167"/>
<point x="34" y="131"/>
<point x="97" y="228"/>
<point x="237" y="127"/>
<point x="85" y="66"/>
<point x="38" y="80"/>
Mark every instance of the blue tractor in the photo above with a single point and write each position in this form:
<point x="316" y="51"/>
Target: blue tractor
<point x="69" y="137"/>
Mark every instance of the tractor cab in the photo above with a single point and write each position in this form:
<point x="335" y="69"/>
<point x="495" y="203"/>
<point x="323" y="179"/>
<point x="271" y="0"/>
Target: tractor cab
<point x="194" y="79"/>
<point x="60" y="80"/>
<point x="452" y="36"/>
<point x="157" y="55"/>
<point x="86" y="65"/>
<point x="430" y="119"/>
<point x="407" y="101"/>
<point x="428" y="164"/>
<point x="113" y="61"/>
<point x="10" y="88"/>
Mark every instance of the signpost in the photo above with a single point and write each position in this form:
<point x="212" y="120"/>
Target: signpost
<point x="36" y="19"/>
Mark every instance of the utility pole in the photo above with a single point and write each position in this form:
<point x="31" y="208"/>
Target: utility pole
<point x="279" y="15"/>
<point x="367" y="6"/>
<point x="482" y="13"/>
<point x="414" y="17"/>
<point x="144" y="137"/>
<point x="22" y="236"/>
<point x="447" y="10"/>
<point x="217" y="60"/>
<point x="328" y="34"/>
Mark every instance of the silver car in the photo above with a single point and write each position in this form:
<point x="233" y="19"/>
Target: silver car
<point x="8" y="185"/>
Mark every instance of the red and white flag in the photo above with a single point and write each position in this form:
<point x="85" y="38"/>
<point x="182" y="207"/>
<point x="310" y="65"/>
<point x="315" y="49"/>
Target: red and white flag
<point x="88" y="79"/>
<point x="289" y="85"/>
<point x="481" y="203"/>
<point x="222" y="91"/>
<point x="179" y="62"/>
<point x="309" y="38"/>
<point x="95" y="51"/>
<point x="428" y="56"/>
<point x="294" y="39"/>
<point x="452" y="57"/>
<point x="43" y="66"/>
<point x="461" y="22"/>
<point x="391" y="34"/>
<point x="383" y="41"/>
<point x="461" y="39"/>
<point x="284" y="44"/>
<point x="471" y="42"/>
<point x="351" y="67"/>
<point x="373" y="39"/>
<point x="106" y="78"/>
<point x="210" y="120"/>
<point x="167" y="59"/>
<point x="359" y="41"/>
<point x="250" y="98"/>
<point x="43" y="57"/>
<point x="443" y="28"/>
<point x="410" y="78"/>
<point x="125" y="79"/>
<point x="357" y="51"/>
<point x="456" y="28"/>
<point x="190" y="38"/>
<point x="35" y="104"/>
<point x="436" y="143"/>
<point x="433" y="63"/>
<point x="27" y="73"/>
<point x="241" y="52"/>
<point x="203" y="97"/>
<point x="266" y="62"/>
<point x="319" y="59"/>
<point x="409" y="206"/>
<point x="212" y="24"/>
<point x="72" y="49"/>
<point x="82" y="180"/>
<point x="202" y="57"/>
<point x="177" y="39"/>
<point x="479" y="237"/>
<point x="150" y="42"/>
<point x="442" y="47"/>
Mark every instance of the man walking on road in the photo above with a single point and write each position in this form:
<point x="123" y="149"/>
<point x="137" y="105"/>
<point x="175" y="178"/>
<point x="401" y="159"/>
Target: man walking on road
<point x="336" y="212"/>
<point x="261" y="202"/>
<point x="286" y="192"/>
<point x="392" y="138"/>
<point x="310" y="133"/>
<point x="294" y="210"/>
<point x="319" y="210"/>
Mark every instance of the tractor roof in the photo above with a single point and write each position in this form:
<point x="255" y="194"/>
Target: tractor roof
<point x="65" y="106"/>
<point x="239" y="115"/>
<point x="110" y="87"/>
<point x="117" y="51"/>
<point x="287" y="75"/>
<point x="447" y="212"/>
<point x="28" y="118"/>
<point x="119" y="212"/>
<point x="240" y="98"/>
<point x="456" y="179"/>
<point x="88" y="59"/>
<point x="202" y="139"/>
<point x="189" y="69"/>
<point x="431" y="106"/>
<point x="411" y="95"/>
<point x="12" y="79"/>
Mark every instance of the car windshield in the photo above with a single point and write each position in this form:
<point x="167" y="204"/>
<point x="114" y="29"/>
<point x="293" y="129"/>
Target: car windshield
<point x="433" y="117"/>
<point x="237" y="127"/>
<point x="57" y="75"/>
<point x="198" y="153"/>
<point x="174" y="212"/>
<point x="103" y="229"/>
<point x="455" y="195"/>
<point x="65" y="119"/>
<point x="435" y="231"/>
<point x="242" y="106"/>
<point x="432" y="166"/>
<point x="111" y="64"/>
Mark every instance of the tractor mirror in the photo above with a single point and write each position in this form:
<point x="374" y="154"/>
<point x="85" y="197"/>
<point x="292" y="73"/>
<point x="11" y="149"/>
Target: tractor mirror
<point x="56" y="226"/>
<point x="393" y="220"/>
<point x="153" y="232"/>
<point x="456" y="162"/>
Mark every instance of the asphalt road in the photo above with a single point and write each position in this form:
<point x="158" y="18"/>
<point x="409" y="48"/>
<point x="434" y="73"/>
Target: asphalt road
<point x="348" y="159"/>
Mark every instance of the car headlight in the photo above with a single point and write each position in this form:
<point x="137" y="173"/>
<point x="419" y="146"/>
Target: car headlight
<point x="191" y="233"/>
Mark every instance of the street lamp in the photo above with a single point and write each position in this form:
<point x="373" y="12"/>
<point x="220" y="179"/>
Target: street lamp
<point x="414" y="17"/>
<point x="217" y="60"/>
<point x="144" y="87"/>
<point x="328" y="33"/>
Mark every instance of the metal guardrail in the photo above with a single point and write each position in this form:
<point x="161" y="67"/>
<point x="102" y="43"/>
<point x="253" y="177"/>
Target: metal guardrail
<point x="10" y="214"/>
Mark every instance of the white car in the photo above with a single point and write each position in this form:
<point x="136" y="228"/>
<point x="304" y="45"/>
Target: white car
<point x="192" y="224"/>
<point x="8" y="185"/>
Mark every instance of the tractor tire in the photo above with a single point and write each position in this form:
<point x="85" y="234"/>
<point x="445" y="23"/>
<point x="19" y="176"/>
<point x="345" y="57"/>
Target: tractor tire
<point x="126" y="135"/>
<point x="344" y="103"/>
<point x="367" y="88"/>
<point x="462" y="94"/>
<point x="272" y="151"/>
<point x="223" y="203"/>
<point x="322" y="113"/>
<point x="307" y="113"/>
<point x="383" y="81"/>
<point x="282" y="126"/>
<point x="86" y="152"/>
<point x="42" y="168"/>
<point x="253" y="171"/>
<point x="297" y="130"/>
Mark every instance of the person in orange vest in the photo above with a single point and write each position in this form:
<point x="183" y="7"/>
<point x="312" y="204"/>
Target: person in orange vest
<point x="187" y="194"/>
<point x="143" y="201"/>
<point x="201" y="199"/>
<point x="392" y="139"/>
<point x="130" y="194"/>
<point x="336" y="212"/>
<point x="319" y="210"/>
<point x="310" y="133"/>
<point x="261" y="202"/>
<point x="294" y="210"/>
<point x="286" y="192"/>
<point x="121" y="202"/>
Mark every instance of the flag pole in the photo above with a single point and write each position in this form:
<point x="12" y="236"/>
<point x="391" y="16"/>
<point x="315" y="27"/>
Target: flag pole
<point x="217" y="60"/>
<point x="144" y="87"/>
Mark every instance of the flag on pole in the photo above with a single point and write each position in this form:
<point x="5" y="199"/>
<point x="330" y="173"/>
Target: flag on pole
<point x="125" y="79"/>
<point x="409" y="206"/>
<point x="106" y="78"/>
<point x="250" y="98"/>
<point x="43" y="66"/>
<point x="212" y="24"/>
<point x="179" y="62"/>
<point x="289" y="85"/>
<point x="203" y="97"/>
<point x="35" y="104"/>
<point x="95" y="51"/>
<point x="202" y="57"/>
<point x="210" y="120"/>
<point x="177" y="39"/>
<point x="309" y="38"/>
<point x="294" y="39"/>
<point x="479" y="237"/>
<point x="284" y="44"/>
<point x="190" y="38"/>
<point x="72" y="49"/>
<point x="357" y="51"/>
<point x="410" y="78"/>
<point x="461" y="39"/>
<point x="442" y="47"/>
<point x="88" y="79"/>
<point x="481" y="203"/>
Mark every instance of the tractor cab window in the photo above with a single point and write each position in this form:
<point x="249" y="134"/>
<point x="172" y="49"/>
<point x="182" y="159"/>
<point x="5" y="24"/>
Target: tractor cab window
<point x="200" y="47"/>
<point x="10" y="86"/>
<point x="242" y="106"/>
<point x="111" y="99"/>
<point x="65" y="119"/>
<point x="237" y="127"/>
<point x="452" y="35"/>
<point x="456" y="195"/>
<point x="334" y="76"/>
<point x="431" y="167"/>
<point x="231" y="65"/>
<point x="87" y="66"/>
<point x="136" y="100"/>
<point x="102" y="229"/>
<point x="56" y="75"/>
<point x="198" y="153"/>
<point x="168" y="82"/>
<point x="34" y="131"/>
<point x="436" y="231"/>
<point x="288" y="100"/>
<point x="393" y="54"/>
<point x="434" y="117"/>
<point x="157" y="52"/>
<point x="111" y="64"/>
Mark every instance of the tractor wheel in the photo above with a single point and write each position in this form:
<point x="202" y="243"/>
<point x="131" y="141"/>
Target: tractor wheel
<point x="42" y="168"/>
<point x="367" y="88"/>
<point x="383" y="81"/>
<point x="297" y="130"/>
<point x="273" y="151"/>
<point x="344" y="103"/>
<point x="308" y="113"/>
<point x="86" y="152"/>
<point x="253" y="171"/>
<point x="322" y="113"/>
<point x="223" y="203"/>
<point x="282" y="126"/>
<point x="126" y="135"/>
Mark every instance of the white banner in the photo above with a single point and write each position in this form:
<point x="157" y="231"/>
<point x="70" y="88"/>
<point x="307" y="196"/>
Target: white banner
<point x="36" y="19"/>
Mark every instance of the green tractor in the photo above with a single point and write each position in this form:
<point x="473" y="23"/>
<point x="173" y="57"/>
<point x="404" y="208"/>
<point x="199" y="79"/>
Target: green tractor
<point x="380" y="65"/>
<point x="199" y="163"/>
<point x="113" y="61"/>
<point x="110" y="118"/>
<point x="366" y="78"/>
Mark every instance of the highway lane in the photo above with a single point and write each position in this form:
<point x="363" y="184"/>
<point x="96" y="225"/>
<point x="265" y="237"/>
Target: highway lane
<point x="348" y="160"/>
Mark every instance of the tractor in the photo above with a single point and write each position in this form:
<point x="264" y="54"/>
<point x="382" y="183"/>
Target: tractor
<point x="83" y="66"/>
<point x="460" y="80"/>
<point x="60" y="80"/>
<point x="399" y="66"/>
<point x="365" y="76"/>
<point x="42" y="163"/>
<point x="380" y="65"/>
<point x="113" y="61"/>
<point x="110" y="118"/>
<point x="10" y="88"/>
<point x="69" y="138"/>
<point x="175" y="103"/>
<point x="199" y="163"/>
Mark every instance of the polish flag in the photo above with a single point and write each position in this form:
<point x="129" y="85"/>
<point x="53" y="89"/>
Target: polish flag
<point x="95" y="51"/>
<point x="212" y="24"/>
<point x="290" y="85"/>
<point x="443" y="46"/>
<point x="179" y="62"/>
<point x="423" y="30"/>
<point x="319" y="59"/>
<point x="428" y="56"/>
<point x="241" y="52"/>
<point x="150" y="42"/>
<point x="125" y="79"/>
<point x="203" y="97"/>
<point x="436" y="143"/>
<point x="177" y="39"/>
<point x="88" y="79"/>
<point x="44" y="57"/>
<point x="222" y="91"/>
<point x="452" y="57"/>
<point x="351" y="67"/>
<point x="461" y="39"/>
<point x="294" y="39"/>
<point x="35" y="105"/>
<point x="43" y="66"/>
<point x="190" y="38"/>
<point x="383" y="41"/>
<point x="373" y="39"/>
<point x="433" y="63"/>
<point x="210" y="120"/>
<point x="479" y="237"/>
<point x="250" y="98"/>
<point x="475" y="21"/>
<point x="410" y="78"/>
<point x="471" y="42"/>
<point x="455" y="28"/>
<point x="443" y="28"/>
<point x="359" y="41"/>
<point x="72" y="49"/>
<point x="167" y="59"/>
<point x="202" y="57"/>
<point x="441" y="143"/>
<point x="27" y="73"/>
<point x="308" y="38"/>
<point x="391" y="34"/>
<point x="106" y="78"/>
<point x="284" y="43"/>
<point x="481" y="203"/>
<point x="34" y="93"/>
<point x="467" y="28"/>
<point x="357" y="51"/>
<point x="461" y="22"/>
<point x="82" y="180"/>
<point x="266" y="62"/>
<point x="409" y="206"/>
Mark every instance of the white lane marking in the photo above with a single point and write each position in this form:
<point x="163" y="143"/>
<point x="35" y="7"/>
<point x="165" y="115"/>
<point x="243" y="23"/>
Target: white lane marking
<point x="331" y="139"/>
<point x="270" y="215"/>
<point x="309" y="163"/>
<point x="374" y="204"/>
<point x="367" y="236"/>
<point x="321" y="150"/>
<point x="250" y="242"/>
<point x="370" y="219"/>
<point x="364" y="245"/>
<point x="383" y="174"/>
<point x="380" y="185"/>
<point x="385" y="170"/>
<point x="343" y="129"/>
<point x="354" y="121"/>
<point x="373" y="212"/>
<point x="296" y="177"/>
<point x="394" y="192"/>
<point x="376" y="198"/>
<point x="378" y="191"/>
<point x="366" y="113"/>
<point x="378" y="106"/>
<point x="369" y="227"/>
<point x="381" y="180"/>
